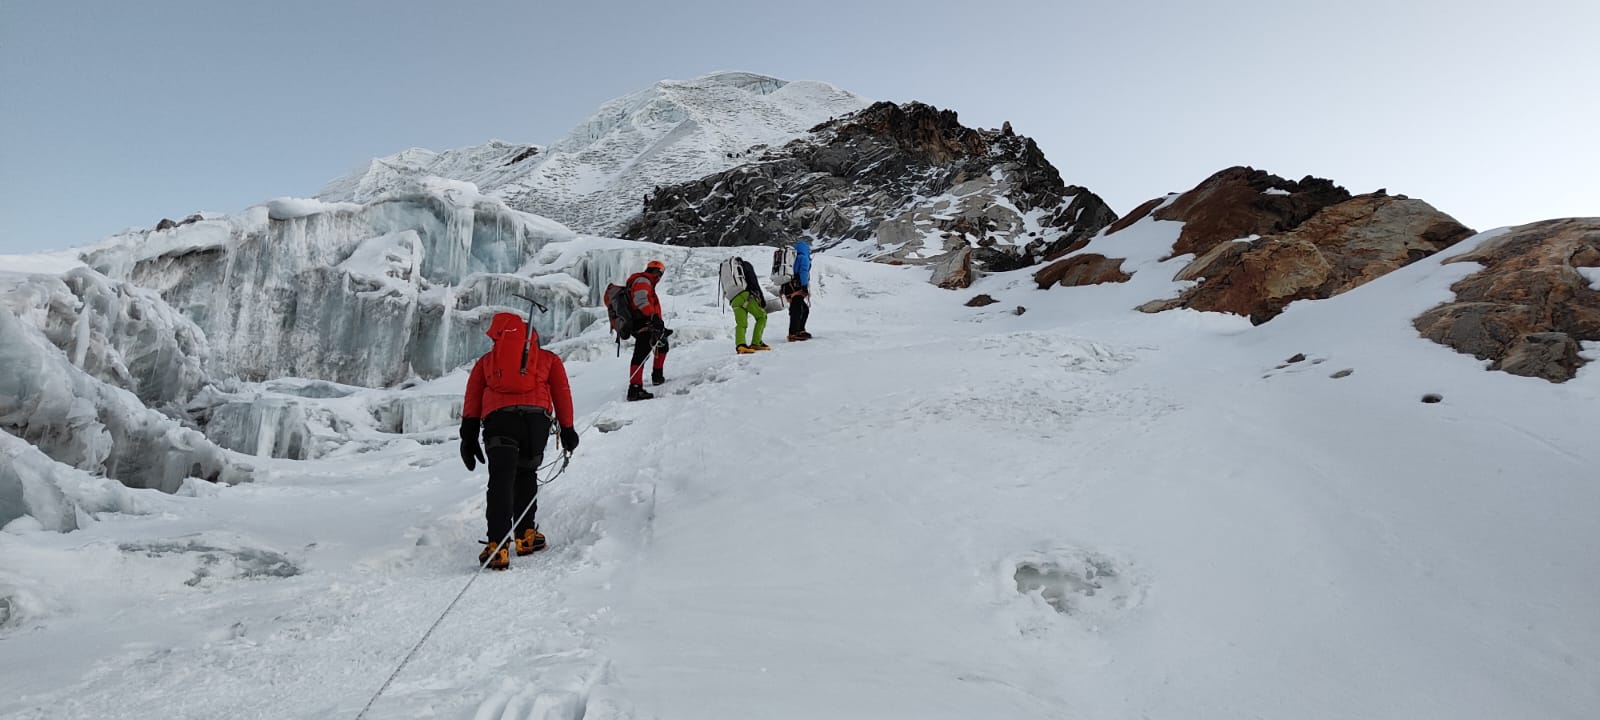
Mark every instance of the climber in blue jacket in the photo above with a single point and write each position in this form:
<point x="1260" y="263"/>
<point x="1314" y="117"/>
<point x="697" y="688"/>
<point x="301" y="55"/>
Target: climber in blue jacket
<point x="798" y="292"/>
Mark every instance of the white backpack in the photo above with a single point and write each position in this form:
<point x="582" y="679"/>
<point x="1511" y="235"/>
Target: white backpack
<point x="732" y="280"/>
<point x="783" y="264"/>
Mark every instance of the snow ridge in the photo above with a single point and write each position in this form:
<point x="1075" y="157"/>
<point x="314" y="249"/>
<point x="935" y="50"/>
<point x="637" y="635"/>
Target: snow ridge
<point x="593" y="180"/>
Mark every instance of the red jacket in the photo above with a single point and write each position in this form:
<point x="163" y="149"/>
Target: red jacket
<point x="496" y="380"/>
<point x="642" y="293"/>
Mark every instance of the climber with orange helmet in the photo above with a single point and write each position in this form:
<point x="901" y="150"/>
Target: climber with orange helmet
<point x="641" y="289"/>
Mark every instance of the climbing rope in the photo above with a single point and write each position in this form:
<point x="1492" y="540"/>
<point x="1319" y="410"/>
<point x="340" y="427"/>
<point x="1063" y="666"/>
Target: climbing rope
<point x="563" y="461"/>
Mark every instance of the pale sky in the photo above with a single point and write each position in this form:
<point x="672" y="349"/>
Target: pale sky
<point x="115" y="114"/>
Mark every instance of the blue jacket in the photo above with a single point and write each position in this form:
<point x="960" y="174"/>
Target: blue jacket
<point x="802" y="263"/>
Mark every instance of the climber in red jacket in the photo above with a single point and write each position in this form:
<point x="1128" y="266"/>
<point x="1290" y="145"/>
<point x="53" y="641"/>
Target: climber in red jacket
<point x="514" y="393"/>
<point x="652" y="333"/>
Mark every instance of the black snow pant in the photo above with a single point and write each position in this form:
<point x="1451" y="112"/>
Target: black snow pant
<point x="513" y="441"/>
<point x="799" y="310"/>
<point x="646" y="341"/>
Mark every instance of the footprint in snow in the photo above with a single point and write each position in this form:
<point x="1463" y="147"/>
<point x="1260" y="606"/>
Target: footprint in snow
<point x="558" y="686"/>
<point x="1298" y="362"/>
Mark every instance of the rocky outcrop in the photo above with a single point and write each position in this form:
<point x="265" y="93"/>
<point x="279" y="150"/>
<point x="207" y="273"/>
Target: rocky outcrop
<point x="954" y="271"/>
<point x="905" y="183"/>
<point x="1530" y="307"/>
<point x="1240" y="202"/>
<point x="1089" y="269"/>
<point x="1341" y="247"/>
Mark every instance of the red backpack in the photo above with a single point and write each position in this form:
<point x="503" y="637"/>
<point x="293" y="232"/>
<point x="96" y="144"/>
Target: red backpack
<point x="515" y="364"/>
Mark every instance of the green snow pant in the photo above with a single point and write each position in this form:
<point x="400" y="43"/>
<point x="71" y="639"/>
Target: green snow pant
<point x="744" y="304"/>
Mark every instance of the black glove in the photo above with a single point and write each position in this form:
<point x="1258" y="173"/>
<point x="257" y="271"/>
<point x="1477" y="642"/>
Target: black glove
<point x="471" y="453"/>
<point x="569" y="439"/>
<point x="657" y="324"/>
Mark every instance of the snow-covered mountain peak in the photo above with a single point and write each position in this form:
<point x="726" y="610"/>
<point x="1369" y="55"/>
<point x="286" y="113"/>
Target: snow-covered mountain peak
<point x="594" y="178"/>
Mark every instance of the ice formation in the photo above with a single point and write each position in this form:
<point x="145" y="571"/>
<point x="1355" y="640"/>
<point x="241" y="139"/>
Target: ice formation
<point x="286" y="330"/>
<point x="57" y="497"/>
<point x="90" y="424"/>
<point x="357" y="294"/>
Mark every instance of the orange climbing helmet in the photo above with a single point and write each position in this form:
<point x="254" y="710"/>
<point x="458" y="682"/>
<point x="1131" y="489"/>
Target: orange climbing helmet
<point x="656" y="265"/>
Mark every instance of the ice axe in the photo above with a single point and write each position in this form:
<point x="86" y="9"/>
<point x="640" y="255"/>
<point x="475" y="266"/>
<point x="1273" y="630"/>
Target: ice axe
<point x="527" y="342"/>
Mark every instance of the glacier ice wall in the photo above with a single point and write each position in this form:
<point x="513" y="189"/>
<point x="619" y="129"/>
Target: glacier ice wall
<point x="407" y="414"/>
<point x="274" y="331"/>
<point x="94" y="426"/>
<point x="356" y="294"/>
<point x="263" y="425"/>
<point x="120" y="334"/>
<point x="53" y="494"/>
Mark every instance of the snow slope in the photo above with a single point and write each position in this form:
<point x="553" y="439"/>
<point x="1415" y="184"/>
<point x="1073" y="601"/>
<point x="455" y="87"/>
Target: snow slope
<point x="929" y="511"/>
<point x="594" y="179"/>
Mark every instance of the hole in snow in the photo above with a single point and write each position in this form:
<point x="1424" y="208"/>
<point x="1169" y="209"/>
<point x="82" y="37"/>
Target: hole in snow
<point x="1076" y="583"/>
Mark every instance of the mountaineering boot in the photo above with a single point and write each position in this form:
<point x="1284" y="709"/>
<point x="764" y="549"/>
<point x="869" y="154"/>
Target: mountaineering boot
<point x="795" y="338"/>
<point x="637" y="392"/>
<point x="656" y="378"/>
<point x="495" y="559"/>
<point x="804" y="335"/>
<point x="529" y="541"/>
<point x="744" y="349"/>
<point x="760" y="346"/>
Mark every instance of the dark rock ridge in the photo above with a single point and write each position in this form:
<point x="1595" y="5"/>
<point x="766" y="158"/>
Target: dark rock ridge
<point x="1529" y="309"/>
<point x="898" y="183"/>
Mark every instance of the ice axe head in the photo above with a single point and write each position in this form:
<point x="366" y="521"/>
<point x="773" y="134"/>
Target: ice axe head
<point x="527" y="344"/>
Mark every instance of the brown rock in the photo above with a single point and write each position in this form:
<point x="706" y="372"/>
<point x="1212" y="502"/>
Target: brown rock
<point x="1549" y="355"/>
<point x="981" y="300"/>
<point x="954" y="271"/>
<point x="1342" y="247"/>
<point x="1240" y="201"/>
<point x="1155" y="306"/>
<point x="1091" y="269"/>
<point x="1529" y="309"/>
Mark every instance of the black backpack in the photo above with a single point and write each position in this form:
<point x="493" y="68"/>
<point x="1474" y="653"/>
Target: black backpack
<point x="624" y="319"/>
